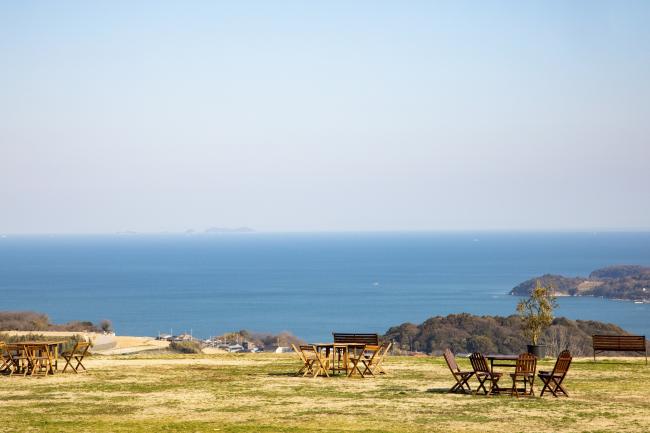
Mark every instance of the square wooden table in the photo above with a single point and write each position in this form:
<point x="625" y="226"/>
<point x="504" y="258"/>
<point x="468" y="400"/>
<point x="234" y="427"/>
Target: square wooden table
<point x="340" y="353"/>
<point x="51" y="346"/>
<point x="499" y="360"/>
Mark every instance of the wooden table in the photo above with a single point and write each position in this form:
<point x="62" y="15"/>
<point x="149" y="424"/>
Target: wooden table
<point x="340" y="351"/>
<point x="502" y="360"/>
<point x="51" y="346"/>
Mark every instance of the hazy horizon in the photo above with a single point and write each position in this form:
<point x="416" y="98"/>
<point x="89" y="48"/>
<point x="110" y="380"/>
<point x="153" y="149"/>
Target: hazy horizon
<point x="293" y="117"/>
<point x="204" y="232"/>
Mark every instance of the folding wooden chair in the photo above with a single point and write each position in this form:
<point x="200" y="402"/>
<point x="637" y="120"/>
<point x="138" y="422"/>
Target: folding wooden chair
<point x="374" y="358"/>
<point x="553" y="380"/>
<point x="6" y="361"/>
<point x="484" y="374"/>
<point x="524" y="374"/>
<point x="77" y="355"/>
<point x="315" y="362"/>
<point x="40" y="359"/>
<point x="306" y="365"/>
<point x="356" y="356"/>
<point x="19" y="359"/>
<point x="461" y="376"/>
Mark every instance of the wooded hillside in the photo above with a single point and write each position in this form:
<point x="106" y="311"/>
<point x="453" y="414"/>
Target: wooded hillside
<point x="464" y="333"/>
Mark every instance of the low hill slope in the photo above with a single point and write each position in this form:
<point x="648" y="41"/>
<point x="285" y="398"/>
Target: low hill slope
<point x="464" y="333"/>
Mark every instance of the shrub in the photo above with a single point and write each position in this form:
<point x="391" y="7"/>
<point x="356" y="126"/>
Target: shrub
<point x="536" y="312"/>
<point x="185" y="346"/>
<point x="106" y="326"/>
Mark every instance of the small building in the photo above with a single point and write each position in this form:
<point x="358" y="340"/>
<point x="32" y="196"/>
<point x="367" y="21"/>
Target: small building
<point x="234" y="348"/>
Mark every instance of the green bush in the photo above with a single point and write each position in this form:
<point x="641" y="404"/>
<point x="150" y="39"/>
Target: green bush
<point x="185" y="346"/>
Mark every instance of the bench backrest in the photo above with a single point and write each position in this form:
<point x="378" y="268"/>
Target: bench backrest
<point x="342" y="337"/>
<point x="619" y="342"/>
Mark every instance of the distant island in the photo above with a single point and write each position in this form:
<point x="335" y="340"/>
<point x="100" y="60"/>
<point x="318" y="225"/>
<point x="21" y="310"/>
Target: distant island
<point x="629" y="282"/>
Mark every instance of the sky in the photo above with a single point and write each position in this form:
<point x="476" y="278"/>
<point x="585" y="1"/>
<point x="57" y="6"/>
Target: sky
<point x="324" y="116"/>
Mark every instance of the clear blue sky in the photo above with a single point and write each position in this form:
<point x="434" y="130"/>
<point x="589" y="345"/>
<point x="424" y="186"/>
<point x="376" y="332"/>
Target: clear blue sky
<point x="334" y="116"/>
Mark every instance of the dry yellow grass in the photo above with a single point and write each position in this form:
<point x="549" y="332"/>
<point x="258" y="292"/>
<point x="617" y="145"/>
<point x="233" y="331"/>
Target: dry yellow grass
<point x="258" y="392"/>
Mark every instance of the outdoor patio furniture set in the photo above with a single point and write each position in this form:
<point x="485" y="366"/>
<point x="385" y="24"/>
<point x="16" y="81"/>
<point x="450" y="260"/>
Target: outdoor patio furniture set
<point x="350" y="354"/>
<point x="523" y="378"/>
<point x="40" y="358"/>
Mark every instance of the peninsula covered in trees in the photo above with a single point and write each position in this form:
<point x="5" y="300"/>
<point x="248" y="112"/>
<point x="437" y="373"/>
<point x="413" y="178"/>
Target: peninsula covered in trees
<point x="629" y="282"/>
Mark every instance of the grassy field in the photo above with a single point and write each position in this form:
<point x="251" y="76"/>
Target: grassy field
<point x="259" y="393"/>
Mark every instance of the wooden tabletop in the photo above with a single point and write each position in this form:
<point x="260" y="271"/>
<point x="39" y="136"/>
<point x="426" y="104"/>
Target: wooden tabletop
<point x="36" y="343"/>
<point x="499" y="357"/>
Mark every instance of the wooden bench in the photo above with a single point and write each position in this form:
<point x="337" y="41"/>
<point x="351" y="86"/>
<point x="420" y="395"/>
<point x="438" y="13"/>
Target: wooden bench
<point x="620" y="343"/>
<point x="369" y="339"/>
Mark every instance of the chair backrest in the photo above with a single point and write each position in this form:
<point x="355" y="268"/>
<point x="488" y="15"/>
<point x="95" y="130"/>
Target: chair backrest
<point x="479" y="364"/>
<point x="308" y="351"/>
<point x="4" y="351"/>
<point x="81" y="348"/>
<point x="385" y="347"/>
<point x="562" y="364"/>
<point x="343" y="337"/>
<point x="451" y="361"/>
<point x="295" y="349"/>
<point x="526" y="363"/>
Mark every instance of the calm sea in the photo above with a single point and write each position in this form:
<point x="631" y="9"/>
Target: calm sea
<point x="309" y="284"/>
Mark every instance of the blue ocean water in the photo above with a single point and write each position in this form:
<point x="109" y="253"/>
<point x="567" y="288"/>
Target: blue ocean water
<point x="308" y="284"/>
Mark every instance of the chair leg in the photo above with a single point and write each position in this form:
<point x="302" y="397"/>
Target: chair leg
<point x="67" y="363"/>
<point x="481" y="384"/>
<point x="494" y="386"/>
<point x="513" y="390"/>
<point x="79" y="364"/>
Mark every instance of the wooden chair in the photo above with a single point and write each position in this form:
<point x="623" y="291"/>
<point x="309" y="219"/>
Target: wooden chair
<point x="40" y="359"/>
<point x="524" y="374"/>
<point x="553" y="380"/>
<point x="484" y="374"/>
<point x="315" y="362"/>
<point x="6" y="360"/>
<point x="373" y="358"/>
<point x="306" y="365"/>
<point x="19" y="359"/>
<point x="77" y="355"/>
<point x="379" y="358"/>
<point x="461" y="376"/>
<point x="356" y="356"/>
